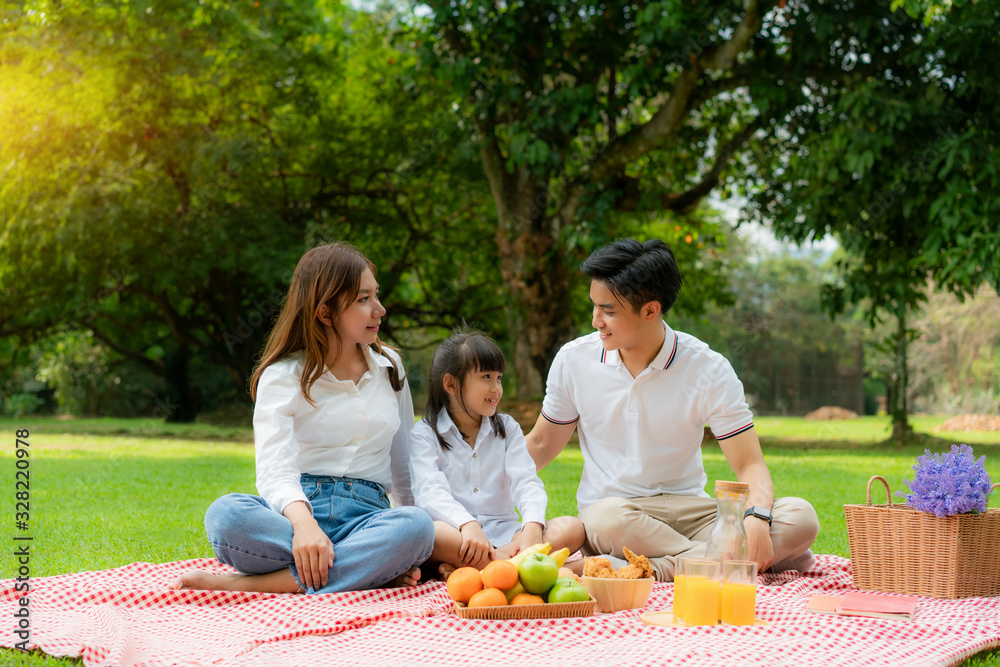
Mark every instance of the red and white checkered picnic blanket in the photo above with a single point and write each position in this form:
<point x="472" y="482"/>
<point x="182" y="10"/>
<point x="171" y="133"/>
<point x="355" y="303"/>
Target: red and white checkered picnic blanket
<point x="129" y="616"/>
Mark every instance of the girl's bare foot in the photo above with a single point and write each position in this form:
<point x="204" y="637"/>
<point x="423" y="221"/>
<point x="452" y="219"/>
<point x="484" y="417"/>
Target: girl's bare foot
<point x="576" y="566"/>
<point x="274" y="582"/>
<point x="409" y="578"/>
<point x="445" y="570"/>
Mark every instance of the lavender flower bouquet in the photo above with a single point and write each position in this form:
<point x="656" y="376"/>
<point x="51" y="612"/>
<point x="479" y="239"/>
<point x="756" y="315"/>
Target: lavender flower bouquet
<point x="951" y="483"/>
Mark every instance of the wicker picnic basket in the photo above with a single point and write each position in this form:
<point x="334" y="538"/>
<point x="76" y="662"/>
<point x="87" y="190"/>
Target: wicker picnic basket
<point x="901" y="550"/>
<point x="547" y="610"/>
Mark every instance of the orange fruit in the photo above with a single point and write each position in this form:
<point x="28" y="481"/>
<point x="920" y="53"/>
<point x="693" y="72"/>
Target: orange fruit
<point x="526" y="598"/>
<point x="464" y="583"/>
<point x="500" y="574"/>
<point x="488" y="597"/>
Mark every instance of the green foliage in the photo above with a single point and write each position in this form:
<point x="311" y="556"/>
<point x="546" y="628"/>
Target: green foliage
<point x="789" y="354"/>
<point x="594" y="121"/>
<point x="19" y="405"/>
<point x="899" y="162"/>
<point x="183" y="158"/>
<point x="897" y="157"/>
<point x="955" y="359"/>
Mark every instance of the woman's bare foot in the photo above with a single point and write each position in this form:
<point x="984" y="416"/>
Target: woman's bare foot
<point x="274" y="582"/>
<point x="445" y="569"/>
<point x="409" y="578"/>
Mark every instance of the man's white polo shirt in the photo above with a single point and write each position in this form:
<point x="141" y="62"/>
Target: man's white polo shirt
<point x="642" y="436"/>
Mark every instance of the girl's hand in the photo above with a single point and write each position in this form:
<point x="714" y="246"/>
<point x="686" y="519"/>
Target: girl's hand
<point x="476" y="550"/>
<point x="313" y="553"/>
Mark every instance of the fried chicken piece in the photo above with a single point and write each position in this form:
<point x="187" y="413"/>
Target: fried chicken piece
<point x="569" y="574"/>
<point x="599" y="568"/>
<point x="638" y="566"/>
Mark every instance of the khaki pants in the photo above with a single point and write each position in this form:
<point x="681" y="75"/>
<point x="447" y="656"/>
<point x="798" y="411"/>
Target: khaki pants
<point x="664" y="526"/>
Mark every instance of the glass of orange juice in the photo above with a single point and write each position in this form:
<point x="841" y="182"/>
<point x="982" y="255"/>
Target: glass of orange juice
<point x="739" y="592"/>
<point x="701" y="591"/>
<point x="680" y="585"/>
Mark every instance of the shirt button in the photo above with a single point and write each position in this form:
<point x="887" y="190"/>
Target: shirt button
<point x="475" y="490"/>
<point x="473" y="456"/>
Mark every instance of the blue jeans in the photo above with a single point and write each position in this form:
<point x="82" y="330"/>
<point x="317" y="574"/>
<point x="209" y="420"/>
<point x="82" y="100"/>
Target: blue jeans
<point x="372" y="543"/>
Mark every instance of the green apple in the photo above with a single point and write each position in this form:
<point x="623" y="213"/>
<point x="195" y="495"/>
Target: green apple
<point x="538" y="573"/>
<point x="567" y="590"/>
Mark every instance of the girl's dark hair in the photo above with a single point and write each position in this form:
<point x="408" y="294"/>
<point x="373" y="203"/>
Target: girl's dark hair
<point x="637" y="272"/>
<point x="462" y="353"/>
<point x="328" y="274"/>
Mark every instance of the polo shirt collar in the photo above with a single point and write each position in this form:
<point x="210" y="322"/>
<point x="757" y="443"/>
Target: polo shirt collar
<point x="663" y="359"/>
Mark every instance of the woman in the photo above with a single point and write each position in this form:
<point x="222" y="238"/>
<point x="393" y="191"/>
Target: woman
<point x="332" y="420"/>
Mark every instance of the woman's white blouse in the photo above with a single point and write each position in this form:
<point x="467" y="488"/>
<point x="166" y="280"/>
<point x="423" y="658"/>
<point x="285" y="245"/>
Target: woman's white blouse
<point x="354" y="430"/>
<point x="482" y="483"/>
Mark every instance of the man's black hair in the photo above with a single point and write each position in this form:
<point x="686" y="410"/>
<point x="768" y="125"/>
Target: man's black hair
<point x="636" y="272"/>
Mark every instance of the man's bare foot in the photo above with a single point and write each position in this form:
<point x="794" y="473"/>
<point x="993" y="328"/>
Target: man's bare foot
<point x="409" y="578"/>
<point x="275" y="582"/>
<point x="445" y="570"/>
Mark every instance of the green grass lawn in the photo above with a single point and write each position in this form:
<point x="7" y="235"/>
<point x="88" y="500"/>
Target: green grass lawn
<point x="105" y="493"/>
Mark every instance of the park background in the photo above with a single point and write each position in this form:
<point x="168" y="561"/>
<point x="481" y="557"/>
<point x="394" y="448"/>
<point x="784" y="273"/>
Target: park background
<point x="826" y="173"/>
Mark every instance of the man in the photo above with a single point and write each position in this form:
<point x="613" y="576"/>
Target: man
<point x="640" y="394"/>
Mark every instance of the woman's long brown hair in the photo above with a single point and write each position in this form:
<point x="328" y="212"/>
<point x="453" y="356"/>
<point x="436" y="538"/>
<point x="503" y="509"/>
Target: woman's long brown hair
<point x="328" y="274"/>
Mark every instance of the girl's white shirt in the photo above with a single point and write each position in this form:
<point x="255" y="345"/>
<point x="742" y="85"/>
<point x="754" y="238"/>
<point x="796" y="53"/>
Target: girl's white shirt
<point x="482" y="483"/>
<point x="355" y="430"/>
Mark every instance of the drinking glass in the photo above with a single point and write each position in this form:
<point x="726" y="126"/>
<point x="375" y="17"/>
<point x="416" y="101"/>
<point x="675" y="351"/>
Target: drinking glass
<point x="680" y="585"/>
<point x="701" y="591"/>
<point x="739" y="592"/>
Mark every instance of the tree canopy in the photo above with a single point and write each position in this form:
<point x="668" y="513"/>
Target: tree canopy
<point x="171" y="165"/>
<point x="166" y="165"/>
<point x="899" y="159"/>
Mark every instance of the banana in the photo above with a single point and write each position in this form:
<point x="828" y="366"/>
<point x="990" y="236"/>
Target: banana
<point x="560" y="556"/>
<point x="518" y="588"/>
<point x="541" y="548"/>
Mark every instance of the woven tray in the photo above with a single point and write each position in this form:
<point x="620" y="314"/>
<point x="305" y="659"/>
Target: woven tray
<point x="553" y="610"/>
<point x="896" y="549"/>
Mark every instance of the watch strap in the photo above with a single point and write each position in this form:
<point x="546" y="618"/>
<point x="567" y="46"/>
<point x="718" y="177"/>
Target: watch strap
<point x="758" y="512"/>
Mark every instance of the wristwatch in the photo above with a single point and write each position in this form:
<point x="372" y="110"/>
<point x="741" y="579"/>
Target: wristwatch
<point x="760" y="513"/>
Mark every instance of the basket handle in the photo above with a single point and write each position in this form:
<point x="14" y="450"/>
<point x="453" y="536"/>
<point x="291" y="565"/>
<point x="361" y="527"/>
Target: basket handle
<point x="993" y="488"/>
<point x="888" y="494"/>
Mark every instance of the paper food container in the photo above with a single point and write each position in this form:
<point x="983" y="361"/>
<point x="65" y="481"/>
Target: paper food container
<point x="618" y="594"/>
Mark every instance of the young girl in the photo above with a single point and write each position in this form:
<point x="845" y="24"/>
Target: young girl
<point x="331" y="428"/>
<point x="471" y="465"/>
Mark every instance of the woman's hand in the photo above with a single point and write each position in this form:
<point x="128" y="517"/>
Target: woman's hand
<point x="311" y="548"/>
<point x="476" y="550"/>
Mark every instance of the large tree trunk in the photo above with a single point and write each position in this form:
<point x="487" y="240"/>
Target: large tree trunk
<point x="183" y="397"/>
<point x="533" y="270"/>
<point x="898" y="408"/>
<point x="531" y="260"/>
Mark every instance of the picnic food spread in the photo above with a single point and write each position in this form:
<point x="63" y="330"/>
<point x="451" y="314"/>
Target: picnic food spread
<point x="600" y="568"/>
<point x="530" y="577"/>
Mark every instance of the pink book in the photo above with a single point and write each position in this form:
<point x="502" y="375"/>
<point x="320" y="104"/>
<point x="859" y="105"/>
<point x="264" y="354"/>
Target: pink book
<point x="878" y="605"/>
<point x="824" y="604"/>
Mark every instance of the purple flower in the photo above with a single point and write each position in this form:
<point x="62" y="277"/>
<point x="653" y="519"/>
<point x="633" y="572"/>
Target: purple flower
<point x="951" y="483"/>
